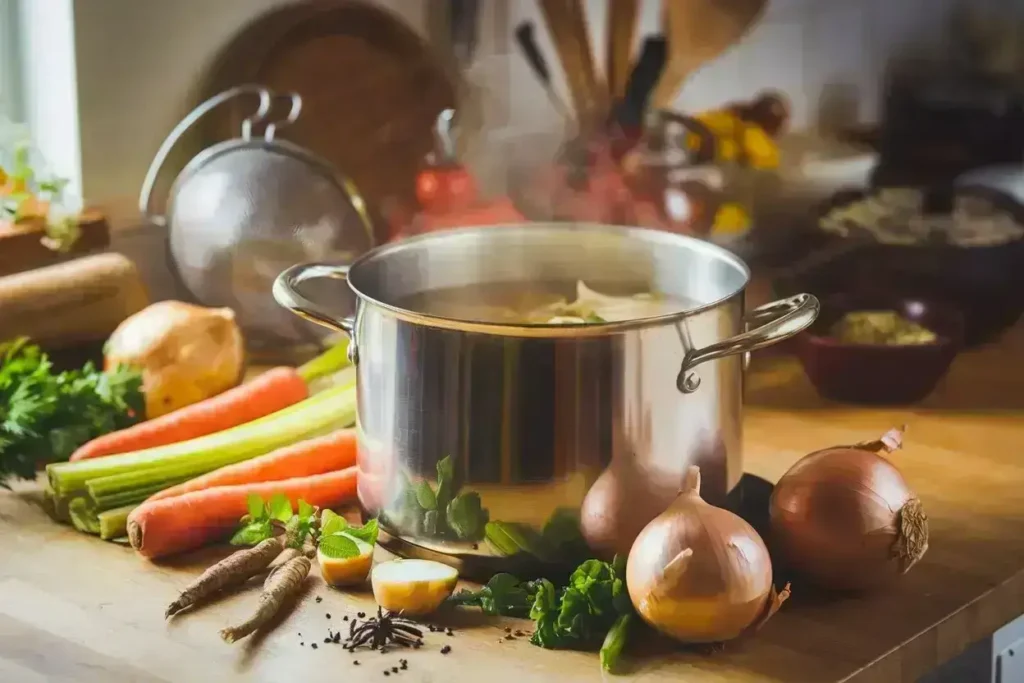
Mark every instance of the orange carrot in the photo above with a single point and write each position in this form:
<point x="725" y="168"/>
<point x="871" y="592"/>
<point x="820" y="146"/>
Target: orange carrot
<point x="163" y="527"/>
<point x="334" y="451"/>
<point x="272" y="391"/>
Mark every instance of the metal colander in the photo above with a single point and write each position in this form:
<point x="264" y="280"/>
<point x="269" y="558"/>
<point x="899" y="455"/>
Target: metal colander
<point x="243" y="210"/>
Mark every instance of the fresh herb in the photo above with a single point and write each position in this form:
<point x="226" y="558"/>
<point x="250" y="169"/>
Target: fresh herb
<point x="45" y="415"/>
<point x="504" y="595"/>
<point x="339" y="540"/>
<point x="439" y="511"/>
<point x="265" y="518"/>
<point x="593" y="611"/>
<point x="559" y="540"/>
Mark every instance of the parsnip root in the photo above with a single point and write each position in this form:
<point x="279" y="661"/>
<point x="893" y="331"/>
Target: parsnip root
<point x="281" y="585"/>
<point x="231" y="571"/>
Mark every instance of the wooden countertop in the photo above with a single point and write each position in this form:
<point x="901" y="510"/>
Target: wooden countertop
<point x="75" y="609"/>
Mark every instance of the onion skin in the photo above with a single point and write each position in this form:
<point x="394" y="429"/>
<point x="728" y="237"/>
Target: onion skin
<point x="846" y="519"/>
<point x="700" y="574"/>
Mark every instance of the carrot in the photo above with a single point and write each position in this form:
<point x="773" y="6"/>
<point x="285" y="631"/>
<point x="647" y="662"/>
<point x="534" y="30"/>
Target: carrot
<point x="334" y="451"/>
<point x="163" y="527"/>
<point x="272" y="391"/>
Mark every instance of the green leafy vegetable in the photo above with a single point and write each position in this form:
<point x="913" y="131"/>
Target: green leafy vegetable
<point x="593" y="611"/>
<point x="366" y="533"/>
<point x="503" y="595"/>
<point x="467" y="517"/>
<point x="445" y="482"/>
<point x="45" y="415"/>
<point x="510" y="538"/>
<point x="331" y="523"/>
<point x="279" y="507"/>
<point x="343" y="540"/>
<point x="265" y="518"/>
<point x="438" y="511"/>
<point x="338" y="546"/>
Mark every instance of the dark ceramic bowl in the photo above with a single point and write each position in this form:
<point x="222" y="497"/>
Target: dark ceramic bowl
<point x="985" y="283"/>
<point x="872" y="374"/>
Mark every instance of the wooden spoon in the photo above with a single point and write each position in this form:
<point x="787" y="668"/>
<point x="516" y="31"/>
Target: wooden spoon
<point x="622" y="21"/>
<point x="567" y="25"/>
<point x="697" y="32"/>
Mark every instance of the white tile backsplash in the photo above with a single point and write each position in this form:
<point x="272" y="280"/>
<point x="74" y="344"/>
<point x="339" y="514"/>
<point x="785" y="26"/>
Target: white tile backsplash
<point x="838" y="49"/>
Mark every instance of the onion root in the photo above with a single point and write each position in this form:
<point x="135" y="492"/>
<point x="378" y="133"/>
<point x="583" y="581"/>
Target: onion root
<point x="912" y="538"/>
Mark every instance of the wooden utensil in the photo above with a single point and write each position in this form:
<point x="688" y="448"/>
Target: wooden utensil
<point x="567" y="25"/>
<point x="527" y="42"/>
<point x="371" y="89"/>
<point x="697" y="32"/>
<point x="622" y="21"/>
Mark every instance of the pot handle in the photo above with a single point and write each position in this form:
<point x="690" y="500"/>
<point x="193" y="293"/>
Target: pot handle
<point x="776" y="321"/>
<point x="286" y="294"/>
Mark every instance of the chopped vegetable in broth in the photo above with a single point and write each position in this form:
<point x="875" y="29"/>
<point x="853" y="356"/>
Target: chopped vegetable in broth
<point x="881" y="328"/>
<point x="517" y="304"/>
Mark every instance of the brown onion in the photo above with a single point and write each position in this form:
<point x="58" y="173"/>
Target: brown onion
<point x="620" y="504"/>
<point x="845" y="518"/>
<point x="699" y="573"/>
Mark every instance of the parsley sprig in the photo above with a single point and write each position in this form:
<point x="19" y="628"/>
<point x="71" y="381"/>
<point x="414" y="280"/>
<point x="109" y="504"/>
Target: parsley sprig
<point x="45" y="415"/>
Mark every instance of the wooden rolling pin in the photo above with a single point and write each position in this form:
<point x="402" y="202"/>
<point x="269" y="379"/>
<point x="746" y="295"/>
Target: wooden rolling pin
<point x="71" y="303"/>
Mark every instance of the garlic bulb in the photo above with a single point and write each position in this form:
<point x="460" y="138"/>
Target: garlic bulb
<point x="186" y="353"/>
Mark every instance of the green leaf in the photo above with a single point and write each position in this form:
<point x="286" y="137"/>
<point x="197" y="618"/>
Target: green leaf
<point x="331" y="523"/>
<point x="305" y="509"/>
<point x="253" y="533"/>
<point x="510" y="538"/>
<point x="615" y="642"/>
<point x="280" y="508"/>
<point x="503" y="595"/>
<point x="425" y="497"/>
<point x="467" y="517"/>
<point x="257" y="510"/>
<point x="366" y="533"/>
<point x="445" y="482"/>
<point x="338" y="547"/>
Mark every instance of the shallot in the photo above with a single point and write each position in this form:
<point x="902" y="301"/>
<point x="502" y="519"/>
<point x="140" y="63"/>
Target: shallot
<point x="846" y="519"/>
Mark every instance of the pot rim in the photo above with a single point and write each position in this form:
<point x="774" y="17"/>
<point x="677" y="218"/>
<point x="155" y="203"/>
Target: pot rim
<point x="552" y="330"/>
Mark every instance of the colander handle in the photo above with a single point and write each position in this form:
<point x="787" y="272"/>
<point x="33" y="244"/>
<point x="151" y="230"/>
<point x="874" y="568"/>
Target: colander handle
<point x="146" y="194"/>
<point x="286" y="294"/>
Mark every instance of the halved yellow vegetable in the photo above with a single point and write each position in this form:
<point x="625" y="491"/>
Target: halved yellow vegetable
<point x="412" y="587"/>
<point x="349" y="571"/>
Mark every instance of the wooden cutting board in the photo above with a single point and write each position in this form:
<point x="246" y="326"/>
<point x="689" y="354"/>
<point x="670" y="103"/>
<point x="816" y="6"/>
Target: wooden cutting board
<point x="371" y="89"/>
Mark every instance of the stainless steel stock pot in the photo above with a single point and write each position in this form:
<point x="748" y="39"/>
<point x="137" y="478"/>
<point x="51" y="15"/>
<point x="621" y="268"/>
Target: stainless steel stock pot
<point x="477" y="439"/>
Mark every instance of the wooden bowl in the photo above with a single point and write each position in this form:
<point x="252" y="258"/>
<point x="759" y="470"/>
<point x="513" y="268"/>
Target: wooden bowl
<point x="876" y="374"/>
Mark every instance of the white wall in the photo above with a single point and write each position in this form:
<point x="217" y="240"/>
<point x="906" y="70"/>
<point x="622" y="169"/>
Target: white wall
<point x="139" y="64"/>
<point x="803" y="47"/>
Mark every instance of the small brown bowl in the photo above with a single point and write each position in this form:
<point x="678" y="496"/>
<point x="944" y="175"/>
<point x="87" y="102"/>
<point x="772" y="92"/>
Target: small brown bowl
<point x="875" y="374"/>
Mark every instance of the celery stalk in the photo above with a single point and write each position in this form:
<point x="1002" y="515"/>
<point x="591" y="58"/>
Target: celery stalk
<point x="114" y="523"/>
<point x="83" y="515"/>
<point x="146" y="478"/>
<point x="331" y="409"/>
<point x="327" y="363"/>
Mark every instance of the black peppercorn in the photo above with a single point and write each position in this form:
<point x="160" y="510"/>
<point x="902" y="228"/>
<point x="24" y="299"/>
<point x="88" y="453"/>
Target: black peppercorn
<point x="446" y="649"/>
